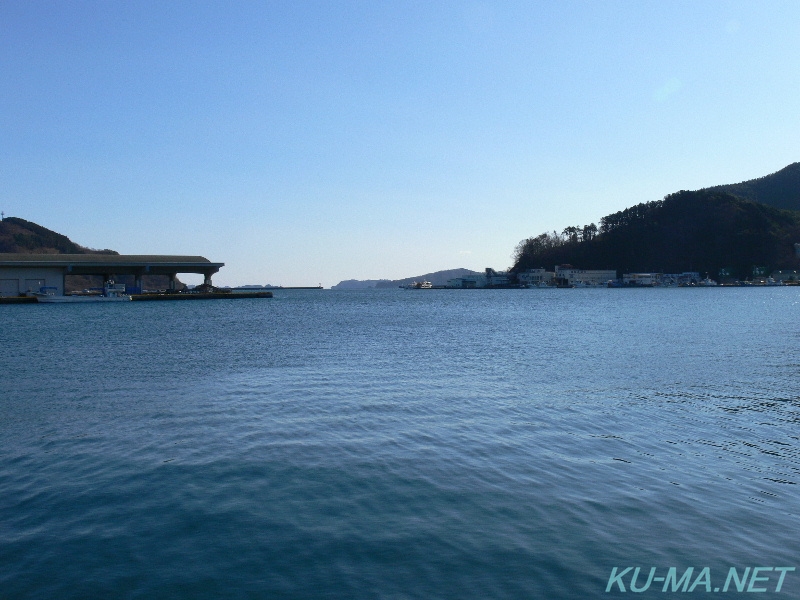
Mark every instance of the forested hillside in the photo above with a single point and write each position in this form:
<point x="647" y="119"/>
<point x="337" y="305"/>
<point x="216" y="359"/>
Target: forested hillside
<point x="709" y="231"/>
<point x="23" y="237"/>
<point x="781" y="189"/>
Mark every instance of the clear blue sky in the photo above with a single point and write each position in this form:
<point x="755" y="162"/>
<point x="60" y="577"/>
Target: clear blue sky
<point x="310" y="142"/>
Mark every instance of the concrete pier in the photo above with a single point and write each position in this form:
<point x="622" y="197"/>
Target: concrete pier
<point x="27" y="273"/>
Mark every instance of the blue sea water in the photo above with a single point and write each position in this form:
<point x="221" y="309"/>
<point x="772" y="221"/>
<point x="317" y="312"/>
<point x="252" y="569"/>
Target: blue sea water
<point x="395" y="444"/>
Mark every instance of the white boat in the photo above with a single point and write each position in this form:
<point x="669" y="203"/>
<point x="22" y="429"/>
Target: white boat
<point x="112" y="292"/>
<point x="419" y="285"/>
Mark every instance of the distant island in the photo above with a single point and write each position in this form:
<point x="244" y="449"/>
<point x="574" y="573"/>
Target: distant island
<point x="358" y="284"/>
<point x="438" y="278"/>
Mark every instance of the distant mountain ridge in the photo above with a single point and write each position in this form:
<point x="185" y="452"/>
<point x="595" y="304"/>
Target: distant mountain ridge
<point x="437" y="278"/>
<point x="780" y="189"/>
<point x="357" y="284"/>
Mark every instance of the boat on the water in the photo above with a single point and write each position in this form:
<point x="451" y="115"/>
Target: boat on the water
<point x="707" y="282"/>
<point x="419" y="285"/>
<point x="112" y="292"/>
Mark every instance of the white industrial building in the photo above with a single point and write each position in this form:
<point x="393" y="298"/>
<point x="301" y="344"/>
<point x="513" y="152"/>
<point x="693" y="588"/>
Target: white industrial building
<point x="569" y="275"/>
<point x="470" y="282"/>
<point x="643" y="279"/>
<point x="536" y="277"/>
<point x="497" y="278"/>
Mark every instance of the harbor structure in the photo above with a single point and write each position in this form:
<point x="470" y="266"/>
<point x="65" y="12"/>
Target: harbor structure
<point x="467" y="283"/>
<point x="567" y="275"/>
<point x="536" y="277"/>
<point x="641" y="279"/>
<point x="683" y="279"/>
<point x="785" y="275"/>
<point x="497" y="278"/>
<point x="29" y="273"/>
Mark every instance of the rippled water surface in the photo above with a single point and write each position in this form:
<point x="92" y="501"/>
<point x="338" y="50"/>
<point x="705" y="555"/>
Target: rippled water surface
<point x="397" y="444"/>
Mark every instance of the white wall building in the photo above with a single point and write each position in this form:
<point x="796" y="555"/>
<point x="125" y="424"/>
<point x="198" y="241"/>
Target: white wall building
<point x="471" y="282"/>
<point x="496" y="278"/>
<point x="534" y="277"/>
<point x="645" y="279"/>
<point x="572" y="276"/>
<point x="685" y="278"/>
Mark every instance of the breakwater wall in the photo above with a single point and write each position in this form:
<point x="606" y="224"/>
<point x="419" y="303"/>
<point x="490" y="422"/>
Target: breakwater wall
<point x="208" y="296"/>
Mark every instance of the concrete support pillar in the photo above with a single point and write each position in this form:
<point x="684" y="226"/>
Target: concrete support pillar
<point x="172" y="283"/>
<point x="137" y="282"/>
<point x="207" y="279"/>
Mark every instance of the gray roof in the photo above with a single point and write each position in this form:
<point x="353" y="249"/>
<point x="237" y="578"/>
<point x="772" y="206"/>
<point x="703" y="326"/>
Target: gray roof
<point x="116" y="263"/>
<point x="102" y="258"/>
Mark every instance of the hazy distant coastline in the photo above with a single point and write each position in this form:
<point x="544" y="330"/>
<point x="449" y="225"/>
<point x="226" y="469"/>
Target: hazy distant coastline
<point x="436" y="278"/>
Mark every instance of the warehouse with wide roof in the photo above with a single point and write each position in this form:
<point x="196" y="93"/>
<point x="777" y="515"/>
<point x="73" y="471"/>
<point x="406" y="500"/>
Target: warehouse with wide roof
<point x="27" y="273"/>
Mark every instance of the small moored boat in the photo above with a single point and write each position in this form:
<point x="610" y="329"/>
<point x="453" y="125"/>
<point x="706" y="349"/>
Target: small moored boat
<point x="112" y="292"/>
<point x="418" y="285"/>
